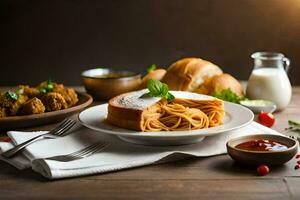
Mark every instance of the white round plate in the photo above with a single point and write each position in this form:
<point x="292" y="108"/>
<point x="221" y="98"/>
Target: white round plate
<point x="236" y="116"/>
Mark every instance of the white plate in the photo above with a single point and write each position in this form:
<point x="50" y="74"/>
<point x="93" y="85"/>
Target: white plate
<point x="236" y="116"/>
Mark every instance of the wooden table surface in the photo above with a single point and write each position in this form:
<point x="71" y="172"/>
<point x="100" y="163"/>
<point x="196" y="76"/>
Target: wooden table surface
<point x="215" y="177"/>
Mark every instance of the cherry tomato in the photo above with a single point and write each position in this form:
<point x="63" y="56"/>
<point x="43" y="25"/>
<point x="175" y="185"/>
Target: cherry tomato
<point x="266" y="119"/>
<point x="262" y="170"/>
<point x="297" y="167"/>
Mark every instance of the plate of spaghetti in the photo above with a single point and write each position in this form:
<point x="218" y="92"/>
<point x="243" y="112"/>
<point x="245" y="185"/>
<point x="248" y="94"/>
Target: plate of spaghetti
<point x="186" y="119"/>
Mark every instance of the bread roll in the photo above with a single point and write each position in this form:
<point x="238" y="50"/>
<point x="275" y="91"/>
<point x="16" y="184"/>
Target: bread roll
<point x="188" y="73"/>
<point x="219" y="83"/>
<point x="157" y="74"/>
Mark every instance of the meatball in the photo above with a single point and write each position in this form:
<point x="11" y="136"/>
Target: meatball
<point x="2" y="108"/>
<point x="73" y="99"/>
<point x="28" y="91"/>
<point x="16" y="105"/>
<point x="33" y="106"/>
<point x="69" y="94"/>
<point x="4" y="101"/>
<point x="58" y="87"/>
<point x="12" y="106"/>
<point x="54" y="101"/>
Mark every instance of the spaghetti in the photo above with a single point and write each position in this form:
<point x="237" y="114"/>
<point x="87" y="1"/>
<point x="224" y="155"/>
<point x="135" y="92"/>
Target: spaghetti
<point x="183" y="114"/>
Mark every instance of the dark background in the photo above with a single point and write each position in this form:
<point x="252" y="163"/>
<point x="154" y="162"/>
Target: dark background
<point x="61" y="38"/>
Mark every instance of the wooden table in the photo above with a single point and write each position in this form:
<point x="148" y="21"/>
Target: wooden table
<point x="208" y="178"/>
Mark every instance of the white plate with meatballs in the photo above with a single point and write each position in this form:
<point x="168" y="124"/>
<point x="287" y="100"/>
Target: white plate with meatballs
<point x="46" y="103"/>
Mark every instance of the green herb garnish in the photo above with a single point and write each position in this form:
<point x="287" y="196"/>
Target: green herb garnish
<point x="48" y="88"/>
<point x="11" y="95"/>
<point x="151" y="68"/>
<point x="228" y="95"/>
<point x="49" y="85"/>
<point x="293" y="126"/>
<point x="43" y="91"/>
<point x="158" y="89"/>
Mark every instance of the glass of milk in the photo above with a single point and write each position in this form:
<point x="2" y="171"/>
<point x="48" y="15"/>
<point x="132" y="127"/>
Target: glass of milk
<point x="269" y="80"/>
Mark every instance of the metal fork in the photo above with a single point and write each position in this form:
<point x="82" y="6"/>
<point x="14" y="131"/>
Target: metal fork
<point x="83" y="153"/>
<point x="60" y="130"/>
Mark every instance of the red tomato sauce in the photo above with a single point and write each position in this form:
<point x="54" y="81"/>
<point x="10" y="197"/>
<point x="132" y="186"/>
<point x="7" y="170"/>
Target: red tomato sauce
<point x="262" y="145"/>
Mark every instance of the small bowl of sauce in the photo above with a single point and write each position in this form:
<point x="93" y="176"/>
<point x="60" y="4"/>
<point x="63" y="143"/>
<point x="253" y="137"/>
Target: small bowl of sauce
<point x="262" y="149"/>
<point x="105" y="83"/>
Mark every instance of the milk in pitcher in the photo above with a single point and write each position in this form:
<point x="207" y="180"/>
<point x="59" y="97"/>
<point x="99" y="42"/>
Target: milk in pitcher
<point x="269" y="80"/>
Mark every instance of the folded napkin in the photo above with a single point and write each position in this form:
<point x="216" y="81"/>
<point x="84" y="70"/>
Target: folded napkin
<point x="118" y="155"/>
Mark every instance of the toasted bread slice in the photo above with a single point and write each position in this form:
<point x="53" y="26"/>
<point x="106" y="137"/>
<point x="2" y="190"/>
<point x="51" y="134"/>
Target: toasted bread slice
<point x="129" y="110"/>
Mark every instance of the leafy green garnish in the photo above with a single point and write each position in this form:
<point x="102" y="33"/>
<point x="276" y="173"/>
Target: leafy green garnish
<point x="11" y="95"/>
<point x="228" y="95"/>
<point x="169" y="96"/>
<point x="48" y="88"/>
<point x="49" y="85"/>
<point x="43" y="91"/>
<point x="293" y="126"/>
<point x="158" y="89"/>
<point x="151" y="68"/>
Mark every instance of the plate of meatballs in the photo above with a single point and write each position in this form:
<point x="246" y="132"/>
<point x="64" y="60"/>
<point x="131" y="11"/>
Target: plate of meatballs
<point x="46" y="103"/>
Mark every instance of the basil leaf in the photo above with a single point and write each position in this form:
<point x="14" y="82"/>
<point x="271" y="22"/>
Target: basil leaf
<point x="154" y="87"/>
<point x="158" y="89"/>
<point x="149" y="94"/>
<point x="164" y="89"/>
<point x="11" y="95"/>
<point x="169" y="96"/>
<point x="151" y="68"/>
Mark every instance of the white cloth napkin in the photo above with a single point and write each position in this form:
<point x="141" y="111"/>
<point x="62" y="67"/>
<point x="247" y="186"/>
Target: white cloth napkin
<point x="118" y="155"/>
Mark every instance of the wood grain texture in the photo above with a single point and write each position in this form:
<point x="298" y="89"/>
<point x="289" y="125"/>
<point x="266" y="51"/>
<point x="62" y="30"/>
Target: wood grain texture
<point x="145" y="189"/>
<point x="208" y="178"/>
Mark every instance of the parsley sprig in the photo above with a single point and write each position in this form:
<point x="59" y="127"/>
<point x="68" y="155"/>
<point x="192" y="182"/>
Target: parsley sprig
<point x="11" y="95"/>
<point x="47" y="88"/>
<point x="293" y="126"/>
<point x="228" y="95"/>
<point x="158" y="89"/>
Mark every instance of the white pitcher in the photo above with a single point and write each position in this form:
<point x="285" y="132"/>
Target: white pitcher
<point x="269" y="80"/>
